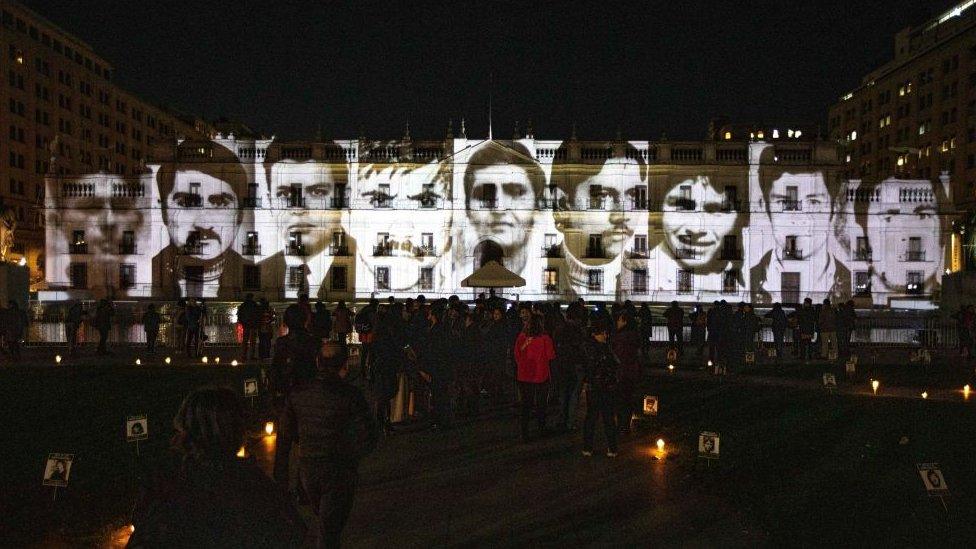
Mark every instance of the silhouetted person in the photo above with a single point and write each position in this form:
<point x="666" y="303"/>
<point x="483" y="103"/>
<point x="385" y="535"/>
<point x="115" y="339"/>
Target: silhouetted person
<point x="72" y="323"/>
<point x="249" y="318"/>
<point x="602" y="372"/>
<point x="779" y="323"/>
<point x="103" y="323"/>
<point x="675" y="317"/>
<point x="150" y="324"/>
<point x="16" y="322"/>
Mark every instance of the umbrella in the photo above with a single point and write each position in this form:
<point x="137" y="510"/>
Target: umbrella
<point x="493" y="275"/>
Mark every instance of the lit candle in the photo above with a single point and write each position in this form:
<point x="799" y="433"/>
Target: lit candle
<point x="965" y="391"/>
<point x="168" y="360"/>
<point x="217" y="360"/>
<point x="240" y="453"/>
<point x="925" y="394"/>
<point x="233" y="362"/>
<point x="874" y="385"/>
<point x="670" y="368"/>
<point x="203" y="360"/>
<point x="138" y="362"/>
<point x="57" y="359"/>
<point x="269" y="427"/>
<point x="660" y="445"/>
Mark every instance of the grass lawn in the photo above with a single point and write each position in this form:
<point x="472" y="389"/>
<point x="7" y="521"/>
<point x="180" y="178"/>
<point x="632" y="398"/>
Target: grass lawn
<point x="798" y="467"/>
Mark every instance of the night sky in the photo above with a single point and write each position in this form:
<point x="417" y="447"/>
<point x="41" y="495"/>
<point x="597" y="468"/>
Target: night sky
<point x="646" y="68"/>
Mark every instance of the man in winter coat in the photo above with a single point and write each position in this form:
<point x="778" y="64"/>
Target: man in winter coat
<point x="806" y="318"/>
<point x="675" y="318"/>
<point x="602" y="373"/>
<point x="249" y="318"/>
<point x="827" y="322"/>
<point x="779" y="322"/>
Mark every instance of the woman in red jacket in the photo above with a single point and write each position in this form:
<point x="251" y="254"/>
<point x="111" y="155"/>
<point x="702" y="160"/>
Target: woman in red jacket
<point x="533" y="351"/>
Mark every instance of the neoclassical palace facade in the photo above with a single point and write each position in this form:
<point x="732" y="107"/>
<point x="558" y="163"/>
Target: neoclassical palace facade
<point x="755" y="220"/>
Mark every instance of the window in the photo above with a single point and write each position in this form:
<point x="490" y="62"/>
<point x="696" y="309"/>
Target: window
<point x="639" y="284"/>
<point x="730" y="282"/>
<point x="791" y="250"/>
<point x="730" y="247"/>
<point x="427" y="278"/>
<point x="78" y="273"/>
<point x="337" y="281"/>
<point x="382" y="244"/>
<point x="639" y="201"/>
<point x="383" y="196"/>
<point x="127" y="275"/>
<point x="594" y="281"/>
<point x="915" y="251"/>
<point x="685" y="281"/>
<point x="251" y="277"/>
<point x="382" y="278"/>
<point x="731" y="201"/>
<point x="339" y="243"/>
<point x="295" y="196"/>
<point x="596" y="197"/>
<point x="78" y="243"/>
<point x="128" y="244"/>
<point x="792" y="202"/>
<point x="296" y="277"/>
<point x="685" y="202"/>
<point x="914" y="282"/>
<point x="550" y="280"/>
<point x="862" y="250"/>
<point x="862" y="283"/>
<point x="489" y="196"/>
<point x="426" y="244"/>
<point x="640" y="245"/>
<point x="594" y="247"/>
<point x="251" y="244"/>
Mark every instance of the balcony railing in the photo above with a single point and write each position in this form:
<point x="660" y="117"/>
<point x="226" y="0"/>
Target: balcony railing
<point x="553" y="251"/>
<point x="686" y="253"/>
<point x="547" y="203"/>
<point x="425" y="251"/>
<point x="730" y="205"/>
<point x="193" y="201"/>
<point x="252" y="201"/>
<point x="381" y="250"/>
<point x="685" y="205"/>
<point x="914" y="288"/>
<point x="489" y="203"/>
<point x="296" y="250"/>
<point x="428" y="201"/>
<point x="192" y="248"/>
<point x="862" y="254"/>
<point x="595" y="253"/>
<point x="639" y="289"/>
<point x="382" y="202"/>
<point x="795" y="254"/>
<point x="251" y="249"/>
<point x="637" y="253"/>
<point x="296" y="202"/>
<point x="339" y="250"/>
<point x="862" y="290"/>
<point x="638" y="205"/>
<point x="915" y="255"/>
<point x="338" y="202"/>
<point x="791" y="205"/>
<point x="597" y="203"/>
<point x="127" y="249"/>
<point x="731" y="254"/>
<point x="551" y="288"/>
<point x="78" y="248"/>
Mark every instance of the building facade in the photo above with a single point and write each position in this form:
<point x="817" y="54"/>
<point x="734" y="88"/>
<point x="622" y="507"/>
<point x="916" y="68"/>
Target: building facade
<point x="58" y="98"/>
<point x="647" y="221"/>
<point x="915" y="116"/>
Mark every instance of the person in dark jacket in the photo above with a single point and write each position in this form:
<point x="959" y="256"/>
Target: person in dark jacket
<point x="15" y="321"/>
<point x="249" y="318"/>
<point x="332" y="421"/>
<point x="214" y="499"/>
<point x="321" y="321"/>
<point x="72" y="323"/>
<point x="846" y="318"/>
<point x="194" y="328"/>
<point x="103" y="323"/>
<point x="713" y="320"/>
<point x="296" y="351"/>
<point x="266" y="328"/>
<point x="699" y="324"/>
<point x="388" y="358"/>
<point x="675" y="317"/>
<point x="779" y="323"/>
<point x="625" y="344"/>
<point x="602" y="372"/>
<point x="437" y="364"/>
<point x="471" y="376"/>
<point x="342" y="322"/>
<point x="150" y="324"/>
<point x="806" y="318"/>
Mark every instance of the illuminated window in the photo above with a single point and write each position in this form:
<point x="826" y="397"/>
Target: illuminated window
<point x="728" y="136"/>
<point x="775" y="134"/>
<point x="296" y="277"/>
<point x="760" y="134"/>
<point x="862" y="283"/>
<point x="914" y="282"/>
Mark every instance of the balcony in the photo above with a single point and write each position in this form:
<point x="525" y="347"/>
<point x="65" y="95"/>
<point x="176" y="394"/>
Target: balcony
<point x="862" y="290"/>
<point x="425" y="251"/>
<point x="551" y="288"/>
<point x="295" y="202"/>
<point x="862" y="254"/>
<point x="428" y="201"/>
<point x="296" y="250"/>
<point x="792" y="205"/>
<point x="914" y="288"/>
<point x="382" y="202"/>
<point x="78" y="248"/>
<point x="794" y="254"/>
<point x="553" y="251"/>
<point x="595" y="253"/>
<point x="915" y="255"/>
<point x="731" y="254"/>
<point x="192" y="248"/>
<point x="596" y="203"/>
<point x="686" y="253"/>
<point x="730" y="205"/>
<point x="547" y="203"/>
<point x="685" y="205"/>
<point x="339" y="250"/>
<point x="127" y="249"/>
<point x="338" y="202"/>
<point x="252" y="202"/>
<point x="382" y="250"/>
<point x="251" y="249"/>
<point x="638" y="205"/>
<point x="639" y="289"/>
<point x="637" y="253"/>
<point x="489" y="203"/>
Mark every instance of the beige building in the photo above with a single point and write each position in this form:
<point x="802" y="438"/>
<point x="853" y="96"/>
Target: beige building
<point x="58" y="100"/>
<point x="915" y="116"/>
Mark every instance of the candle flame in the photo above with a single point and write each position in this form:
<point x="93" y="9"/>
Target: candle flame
<point x="269" y="427"/>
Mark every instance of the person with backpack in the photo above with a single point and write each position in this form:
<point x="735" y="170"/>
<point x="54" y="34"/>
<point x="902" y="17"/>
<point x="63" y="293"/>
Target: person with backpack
<point x="600" y="384"/>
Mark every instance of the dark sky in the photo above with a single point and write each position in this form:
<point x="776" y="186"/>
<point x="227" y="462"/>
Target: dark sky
<point x="644" y="67"/>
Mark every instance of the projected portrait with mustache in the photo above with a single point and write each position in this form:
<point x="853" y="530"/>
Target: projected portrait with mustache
<point x="501" y="184"/>
<point x="603" y="203"/>
<point x="200" y="205"/>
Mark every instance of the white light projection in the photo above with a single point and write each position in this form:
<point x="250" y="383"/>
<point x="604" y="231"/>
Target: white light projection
<point x="603" y="221"/>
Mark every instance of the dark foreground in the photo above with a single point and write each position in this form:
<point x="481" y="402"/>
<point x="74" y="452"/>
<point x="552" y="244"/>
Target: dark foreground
<point x="798" y="466"/>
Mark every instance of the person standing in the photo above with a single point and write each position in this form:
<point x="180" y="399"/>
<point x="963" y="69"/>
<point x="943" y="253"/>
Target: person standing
<point x="600" y="382"/>
<point x="332" y="421"/>
<point x="699" y="323"/>
<point x="150" y="324"/>
<point x="103" y="323"/>
<point x="807" y="324"/>
<point x="247" y="317"/>
<point x="194" y="325"/>
<point x="675" y="317"/>
<point x="363" y="324"/>
<point x="646" y="320"/>
<point x="625" y="344"/>
<point x="533" y="352"/>
<point x="266" y="328"/>
<point x="846" y="317"/>
<point x="16" y="323"/>
<point x="827" y="323"/>
<point x="321" y="321"/>
<point x="72" y="323"/>
<point x="179" y="326"/>
<point x="342" y="322"/>
<point x="569" y="340"/>
<point x="779" y="323"/>
<point x="388" y="360"/>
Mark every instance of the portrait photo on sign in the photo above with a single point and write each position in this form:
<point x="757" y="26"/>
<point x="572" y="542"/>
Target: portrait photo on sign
<point x="829" y="381"/>
<point x="137" y="428"/>
<point x="250" y="387"/>
<point x="650" y="405"/>
<point x="57" y="469"/>
<point x="708" y="444"/>
<point x="932" y="477"/>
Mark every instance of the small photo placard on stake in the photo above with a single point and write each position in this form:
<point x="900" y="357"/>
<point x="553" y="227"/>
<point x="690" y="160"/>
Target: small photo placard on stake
<point x="850" y="367"/>
<point x="672" y="356"/>
<point x="57" y="469"/>
<point x="251" y="387"/>
<point x="829" y="382"/>
<point x="935" y="484"/>
<point x="750" y="357"/>
<point x="771" y="352"/>
<point x="650" y="405"/>
<point x="708" y="445"/>
<point x="136" y="428"/>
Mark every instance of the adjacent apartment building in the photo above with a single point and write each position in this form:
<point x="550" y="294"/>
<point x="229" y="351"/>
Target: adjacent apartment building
<point x="58" y="99"/>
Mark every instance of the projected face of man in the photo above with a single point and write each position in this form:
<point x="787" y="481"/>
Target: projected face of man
<point x="104" y="221"/>
<point x="314" y="220"/>
<point x="212" y="225"/>
<point x="814" y="203"/>
<point x="911" y="219"/>
<point x="694" y="238"/>
<point x="510" y="223"/>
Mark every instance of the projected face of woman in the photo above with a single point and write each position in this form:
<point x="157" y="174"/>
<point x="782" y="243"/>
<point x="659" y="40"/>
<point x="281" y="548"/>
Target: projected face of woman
<point x="911" y="220"/>
<point x="814" y="210"/>
<point x="694" y="238"/>
<point x="510" y="223"/>
<point x="212" y="224"/>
